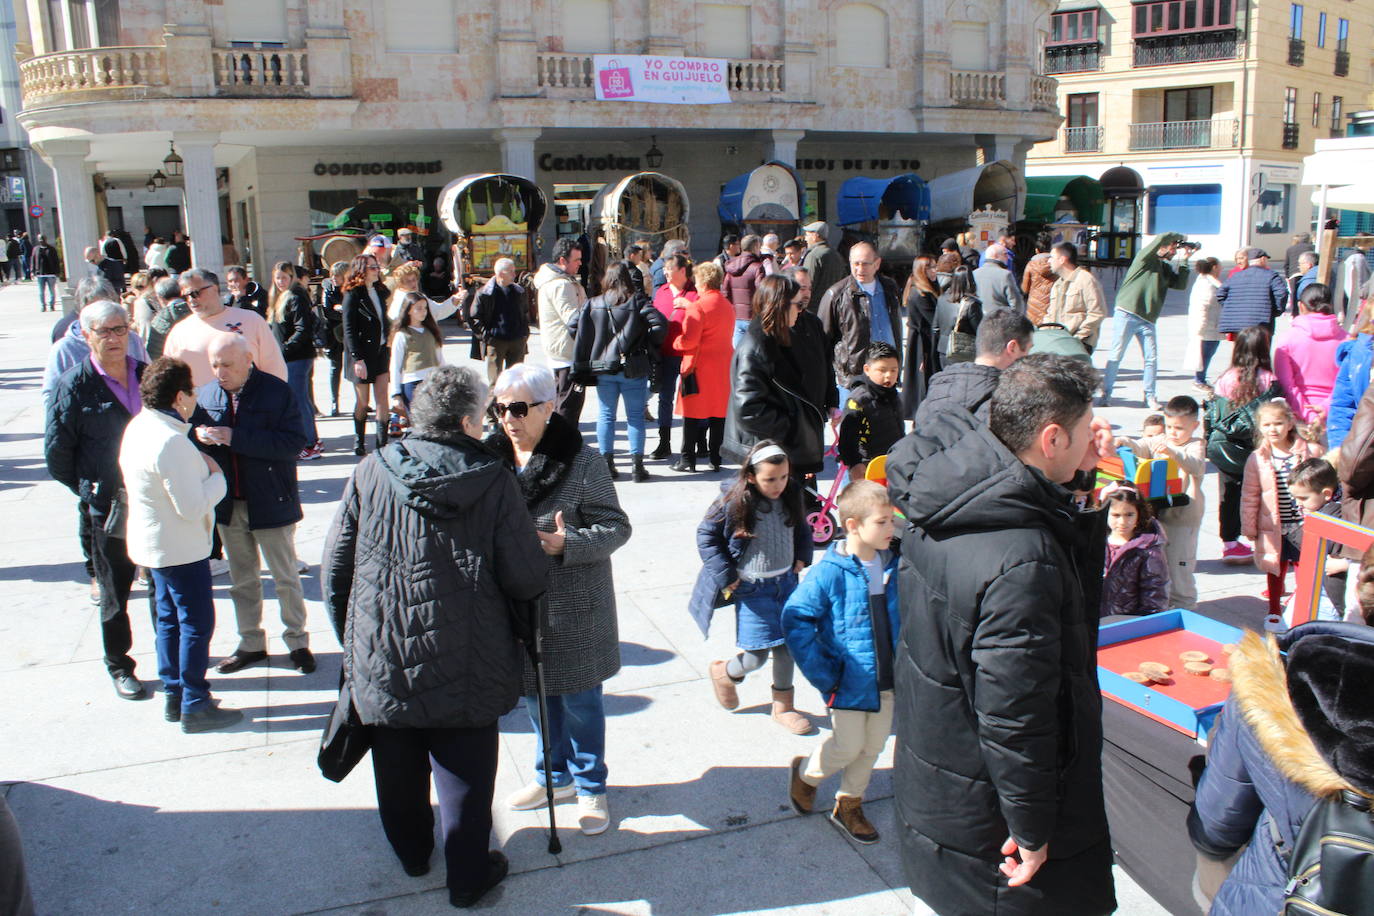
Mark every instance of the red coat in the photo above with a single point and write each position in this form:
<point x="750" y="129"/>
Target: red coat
<point x="663" y="301"/>
<point x="706" y="346"/>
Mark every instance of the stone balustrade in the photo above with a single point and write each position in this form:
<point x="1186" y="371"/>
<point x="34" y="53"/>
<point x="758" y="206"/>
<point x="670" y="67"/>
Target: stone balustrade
<point x="977" y="87"/>
<point x="261" y="71"/>
<point x="125" y="72"/>
<point x="1044" y="93"/>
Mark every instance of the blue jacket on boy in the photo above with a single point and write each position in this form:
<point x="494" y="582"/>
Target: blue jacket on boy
<point x="720" y="552"/>
<point x="829" y="631"/>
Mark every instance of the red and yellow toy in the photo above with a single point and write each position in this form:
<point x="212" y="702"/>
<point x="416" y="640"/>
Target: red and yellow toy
<point x="1157" y="479"/>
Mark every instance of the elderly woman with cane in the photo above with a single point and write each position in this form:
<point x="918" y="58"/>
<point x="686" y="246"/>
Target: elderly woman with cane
<point x="569" y="494"/>
<point x="429" y="557"/>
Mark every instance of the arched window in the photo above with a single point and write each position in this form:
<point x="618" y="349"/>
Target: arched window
<point x="587" y="26"/>
<point x="861" y="36"/>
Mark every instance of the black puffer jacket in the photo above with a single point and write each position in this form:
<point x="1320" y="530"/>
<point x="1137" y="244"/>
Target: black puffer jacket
<point x="429" y="547"/>
<point x="781" y="393"/>
<point x="85" y="426"/>
<point x="966" y="385"/>
<point x="624" y="337"/>
<point x="295" y="330"/>
<point x="999" y="715"/>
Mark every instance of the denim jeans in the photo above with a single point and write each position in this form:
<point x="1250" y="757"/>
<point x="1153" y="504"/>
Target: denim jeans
<point x="609" y="390"/>
<point x="1209" y="349"/>
<point x="741" y="325"/>
<point x="47" y="291"/>
<point x="1125" y="326"/>
<point x="298" y="377"/>
<point x="185" y="611"/>
<point x="577" y="735"/>
<point x="668" y="369"/>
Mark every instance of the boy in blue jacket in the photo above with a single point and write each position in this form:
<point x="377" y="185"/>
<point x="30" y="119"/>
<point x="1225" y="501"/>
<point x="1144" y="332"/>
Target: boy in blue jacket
<point x="841" y="628"/>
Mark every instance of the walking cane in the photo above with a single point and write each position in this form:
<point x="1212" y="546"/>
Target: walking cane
<point x="536" y="648"/>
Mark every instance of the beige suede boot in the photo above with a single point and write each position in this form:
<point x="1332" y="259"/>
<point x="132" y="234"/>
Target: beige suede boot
<point x="786" y="715"/>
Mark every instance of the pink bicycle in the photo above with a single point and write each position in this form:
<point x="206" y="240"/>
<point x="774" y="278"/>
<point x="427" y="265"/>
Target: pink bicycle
<point x="824" y="520"/>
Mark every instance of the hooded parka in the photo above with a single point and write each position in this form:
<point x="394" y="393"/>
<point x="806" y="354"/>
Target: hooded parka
<point x="430" y="546"/>
<point x="999" y="716"/>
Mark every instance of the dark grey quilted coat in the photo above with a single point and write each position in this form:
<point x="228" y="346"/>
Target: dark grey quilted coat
<point x="581" y="639"/>
<point x="430" y="545"/>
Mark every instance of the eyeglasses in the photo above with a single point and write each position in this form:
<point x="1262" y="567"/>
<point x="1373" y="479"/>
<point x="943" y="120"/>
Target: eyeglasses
<point x="118" y="330"/>
<point x="518" y="409"/>
<point x="193" y="293"/>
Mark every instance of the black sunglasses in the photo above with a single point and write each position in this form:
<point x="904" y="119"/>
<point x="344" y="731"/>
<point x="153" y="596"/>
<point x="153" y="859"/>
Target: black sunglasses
<point x="518" y="409"/>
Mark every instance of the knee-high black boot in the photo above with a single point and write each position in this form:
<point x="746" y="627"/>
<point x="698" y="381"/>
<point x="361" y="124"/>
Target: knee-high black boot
<point x="359" y="435"/>
<point x="381" y="428"/>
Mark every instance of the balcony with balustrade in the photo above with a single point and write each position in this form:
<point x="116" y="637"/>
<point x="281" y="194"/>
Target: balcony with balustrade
<point x="1186" y="48"/>
<point x="191" y="68"/>
<point x="1213" y="133"/>
<point x="1085" y="58"/>
<point x="573" y="76"/>
<point x="1083" y="139"/>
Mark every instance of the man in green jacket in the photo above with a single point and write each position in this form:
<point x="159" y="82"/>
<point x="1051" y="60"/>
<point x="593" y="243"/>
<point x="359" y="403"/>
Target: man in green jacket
<point x="1139" y="300"/>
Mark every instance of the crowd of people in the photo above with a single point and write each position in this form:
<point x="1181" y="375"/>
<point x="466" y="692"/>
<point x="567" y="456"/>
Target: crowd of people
<point x="177" y="412"/>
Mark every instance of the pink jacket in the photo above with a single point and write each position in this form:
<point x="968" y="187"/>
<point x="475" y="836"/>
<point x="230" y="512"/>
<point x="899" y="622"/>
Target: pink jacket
<point x="1259" y="503"/>
<point x="1305" y="362"/>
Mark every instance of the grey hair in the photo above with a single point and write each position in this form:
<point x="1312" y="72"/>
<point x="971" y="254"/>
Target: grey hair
<point x="1309" y="256"/>
<point x="236" y="270"/>
<point x="672" y="247"/>
<point x="167" y="289"/>
<point x="536" y="380"/>
<point x="337" y="268"/>
<point x="199" y="273"/>
<point x="774" y="240"/>
<point x="501" y="264"/>
<point x="96" y="312"/>
<point x="443" y="399"/>
<point x="92" y="289"/>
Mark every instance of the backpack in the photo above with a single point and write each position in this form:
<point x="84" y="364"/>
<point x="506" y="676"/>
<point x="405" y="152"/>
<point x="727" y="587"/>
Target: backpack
<point x="961" y="345"/>
<point x="1331" y="868"/>
<point x="161" y="325"/>
<point x="1231" y="431"/>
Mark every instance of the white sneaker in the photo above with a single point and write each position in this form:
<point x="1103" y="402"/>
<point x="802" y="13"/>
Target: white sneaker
<point x="593" y="814"/>
<point x="218" y="568"/>
<point x="534" y="796"/>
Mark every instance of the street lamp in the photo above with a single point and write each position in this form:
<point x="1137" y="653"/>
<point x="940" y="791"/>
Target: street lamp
<point x="159" y="179"/>
<point x="654" y="157"/>
<point x="151" y="185"/>
<point x="173" y="162"/>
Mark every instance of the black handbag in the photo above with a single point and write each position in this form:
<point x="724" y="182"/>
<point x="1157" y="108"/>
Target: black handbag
<point x="690" y="385"/>
<point x="345" y="741"/>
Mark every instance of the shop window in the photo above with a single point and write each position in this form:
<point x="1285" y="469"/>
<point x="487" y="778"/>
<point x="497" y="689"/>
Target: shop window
<point x="1272" y="209"/>
<point x="861" y="36"/>
<point x="422" y="25"/>
<point x="570" y="203"/>
<point x="814" y="205"/>
<point x="723" y="31"/>
<point x="587" y="27"/>
<point x="968" y="46"/>
<point x="255" y="21"/>
<point x="1192" y="209"/>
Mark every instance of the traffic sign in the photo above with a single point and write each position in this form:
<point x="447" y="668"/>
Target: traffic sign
<point x="36" y="211"/>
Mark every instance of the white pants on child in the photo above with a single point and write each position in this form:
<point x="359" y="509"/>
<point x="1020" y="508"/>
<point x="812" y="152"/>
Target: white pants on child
<point x="1180" y="550"/>
<point x="854" y="744"/>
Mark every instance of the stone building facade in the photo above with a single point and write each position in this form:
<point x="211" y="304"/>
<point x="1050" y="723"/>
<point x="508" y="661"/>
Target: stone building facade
<point x="262" y="98"/>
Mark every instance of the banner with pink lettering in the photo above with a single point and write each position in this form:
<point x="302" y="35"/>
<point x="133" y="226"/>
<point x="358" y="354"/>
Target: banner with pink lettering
<point x="664" y="80"/>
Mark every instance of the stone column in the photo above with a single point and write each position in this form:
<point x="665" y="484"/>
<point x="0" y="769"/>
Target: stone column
<point x="75" y="206"/>
<point x="782" y="146"/>
<point x="197" y="151"/>
<point x="517" y="150"/>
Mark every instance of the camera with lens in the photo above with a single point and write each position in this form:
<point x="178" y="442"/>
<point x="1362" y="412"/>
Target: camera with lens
<point x="1189" y="246"/>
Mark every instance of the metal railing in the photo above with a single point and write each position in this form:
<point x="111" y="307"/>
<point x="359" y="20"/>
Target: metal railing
<point x="1342" y="63"/>
<point x="977" y="87"/>
<point x="576" y="71"/>
<point x="122" y="68"/>
<point x="1215" y="133"/>
<point x="1297" y="51"/>
<point x="1185" y="49"/>
<point x="1291" y="135"/>
<point x="1083" y="139"/>
<point x="261" y="71"/>
<point x="1073" y="59"/>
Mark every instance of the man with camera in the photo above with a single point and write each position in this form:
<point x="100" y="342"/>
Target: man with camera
<point x="1139" y="300"/>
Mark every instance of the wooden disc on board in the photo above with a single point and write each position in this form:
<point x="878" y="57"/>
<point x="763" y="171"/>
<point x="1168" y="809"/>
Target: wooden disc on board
<point x="1228" y="648"/>
<point x="1221" y="674"/>
<point x="1155" y="671"/>
<point x="1194" y="656"/>
<point x="1198" y="669"/>
<point x="1137" y="677"/>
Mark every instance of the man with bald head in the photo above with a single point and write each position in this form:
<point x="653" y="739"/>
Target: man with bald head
<point x="996" y="284"/>
<point x="861" y="308"/>
<point x="248" y="421"/>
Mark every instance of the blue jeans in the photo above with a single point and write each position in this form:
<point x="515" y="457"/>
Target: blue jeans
<point x="47" y="292"/>
<point x="758" y="611"/>
<point x="298" y="377"/>
<point x="577" y="735"/>
<point x="184" y="610"/>
<point x="1125" y="326"/>
<point x="668" y="369"/>
<point x="1209" y="349"/>
<point x="609" y="390"/>
<point x="741" y="326"/>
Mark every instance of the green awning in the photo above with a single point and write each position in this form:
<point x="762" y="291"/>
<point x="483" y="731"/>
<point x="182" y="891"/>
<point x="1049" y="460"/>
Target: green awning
<point x="1043" y="193"/>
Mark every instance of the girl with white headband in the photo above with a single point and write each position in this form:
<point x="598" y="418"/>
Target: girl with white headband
<point x="753" y="543"/>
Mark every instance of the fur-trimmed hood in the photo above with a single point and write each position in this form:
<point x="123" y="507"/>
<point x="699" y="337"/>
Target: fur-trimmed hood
<point x="1314" y="716"/>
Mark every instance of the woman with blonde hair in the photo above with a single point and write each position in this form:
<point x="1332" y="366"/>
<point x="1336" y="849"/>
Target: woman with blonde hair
<point x="705" y="345"/>
<point x="293" y="322"/>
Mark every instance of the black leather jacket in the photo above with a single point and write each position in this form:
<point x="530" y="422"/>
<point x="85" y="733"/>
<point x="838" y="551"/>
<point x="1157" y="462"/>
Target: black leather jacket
<point x="624" y="337"/>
